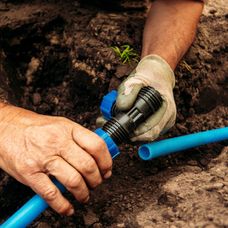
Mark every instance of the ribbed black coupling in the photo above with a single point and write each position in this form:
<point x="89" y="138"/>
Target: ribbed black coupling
<point x="116" y="131"/>
<point x="122" y="125"/>
<point x="152" y="97"/>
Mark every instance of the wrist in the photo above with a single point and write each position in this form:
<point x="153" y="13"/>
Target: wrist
<point x="156" y="69"/>
<point x="170" y="56"/>
<point x="7" y="114"/>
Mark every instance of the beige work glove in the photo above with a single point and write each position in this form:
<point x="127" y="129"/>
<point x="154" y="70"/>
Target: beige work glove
<point x="152" y="71"/>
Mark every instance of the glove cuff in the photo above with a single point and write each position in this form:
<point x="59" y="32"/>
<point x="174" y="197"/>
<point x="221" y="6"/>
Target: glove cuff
<point x="160" y="63"/>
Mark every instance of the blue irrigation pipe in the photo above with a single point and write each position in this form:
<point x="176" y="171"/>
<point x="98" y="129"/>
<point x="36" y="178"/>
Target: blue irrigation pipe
<point x="36" y="205"/>
<point x="167" y="146"/>
<point x="29" y="211"/>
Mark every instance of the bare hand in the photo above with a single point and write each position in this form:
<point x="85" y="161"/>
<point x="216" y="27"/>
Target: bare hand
<point x="34" y="147"/>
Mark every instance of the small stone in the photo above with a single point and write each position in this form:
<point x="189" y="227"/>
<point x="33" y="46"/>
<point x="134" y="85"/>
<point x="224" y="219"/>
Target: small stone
<point x="213" y="11"/>
<point x="32" y="68"/>
<point x="90" y="218"/>
<point x="154" y="170"/>
<point x="214" y="186"/>
<point x="120" y="225"/>
<point x="128" y="205"/>
<point x="173" y="226"/>
<point x="54" y="40"/>
<point x="44" y="108"/>
<point x="114" y="83"/>
<point x="181" y="127"/>
<point x="123" y="70"/>
<point x="192" y="162"/>
<point x="191" y="224"/>
<point x="97" y="225"/>
<point x="108" y="66"/>
<point x="111" y="214"/>
<point x="203" y="162"/>
<point x="56" y="100"/>
<point x="36" y="99"/>
<point x="43" y="225"/>
<point x="64" y="84"/>
<point x="131" y="163"/>
<point x="210" y="217"/>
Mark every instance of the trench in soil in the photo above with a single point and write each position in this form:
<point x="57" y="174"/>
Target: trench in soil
<point x="60" y="65"/>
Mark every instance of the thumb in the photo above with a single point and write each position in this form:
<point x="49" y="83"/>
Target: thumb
<point x="127" y="95"/>
<point x="100" y="121"/>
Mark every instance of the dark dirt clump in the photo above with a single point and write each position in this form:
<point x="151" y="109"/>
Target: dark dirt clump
<point x="55" y="59"/>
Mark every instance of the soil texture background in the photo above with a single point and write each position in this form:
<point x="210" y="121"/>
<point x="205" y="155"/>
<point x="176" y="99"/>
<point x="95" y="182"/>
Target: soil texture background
<point x="55" y="59"/>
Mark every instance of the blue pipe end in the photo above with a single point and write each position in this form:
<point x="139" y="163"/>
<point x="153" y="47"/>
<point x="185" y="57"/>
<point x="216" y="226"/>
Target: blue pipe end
<point x="167" y="146"/>
<point x="144" y="153"/>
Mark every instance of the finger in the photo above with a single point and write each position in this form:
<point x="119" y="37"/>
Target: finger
<point x="70" y="178"/>
<point x="95" y="146"/>
<point x="44" y="187"/>
<point x="152" y="121"/>
<point x="161" y="121"/>
<point x="148" y="136"/>
<point x="127" y="95"/>
<point x="100" y="121"/>
<point x="83" y="163"/>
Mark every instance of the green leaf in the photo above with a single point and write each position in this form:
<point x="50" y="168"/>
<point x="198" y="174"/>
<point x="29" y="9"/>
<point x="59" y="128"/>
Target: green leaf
<point x="126" y="53"/>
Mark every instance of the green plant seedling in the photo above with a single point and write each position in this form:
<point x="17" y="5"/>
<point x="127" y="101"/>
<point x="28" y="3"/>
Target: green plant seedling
<point x="126" y="53"/>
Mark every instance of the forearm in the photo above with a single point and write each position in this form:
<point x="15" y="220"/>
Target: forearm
<point x="170" y="28"/>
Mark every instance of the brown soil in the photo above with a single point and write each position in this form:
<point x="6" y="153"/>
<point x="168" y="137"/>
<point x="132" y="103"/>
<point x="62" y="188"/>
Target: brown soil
<point x="56" y="59"/>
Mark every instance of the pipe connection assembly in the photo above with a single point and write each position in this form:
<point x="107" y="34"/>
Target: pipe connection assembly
<point x="118" y="129"/>
<point x="120" y="125"/>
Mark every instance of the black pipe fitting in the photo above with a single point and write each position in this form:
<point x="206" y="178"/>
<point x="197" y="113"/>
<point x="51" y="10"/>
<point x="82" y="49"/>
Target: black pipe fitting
<point x="122" y="125"/>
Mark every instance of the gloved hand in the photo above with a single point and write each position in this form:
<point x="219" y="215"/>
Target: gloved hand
<point x="152" y="71"/>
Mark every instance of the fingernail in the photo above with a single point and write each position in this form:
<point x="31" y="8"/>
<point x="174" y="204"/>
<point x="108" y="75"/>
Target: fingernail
<point x="70" y="212"/>
<point x="108" y="174"/>
<point x="86" y="200"/>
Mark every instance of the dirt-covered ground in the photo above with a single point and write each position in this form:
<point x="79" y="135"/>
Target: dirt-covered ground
<point x="55" y="58"/>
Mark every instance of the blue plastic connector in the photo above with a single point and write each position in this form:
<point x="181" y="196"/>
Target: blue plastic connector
<point x="168" y="146"/>
<point x="107" y="104"/>
<point x="112" y="147"/>
<point x="36" y="205"/>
